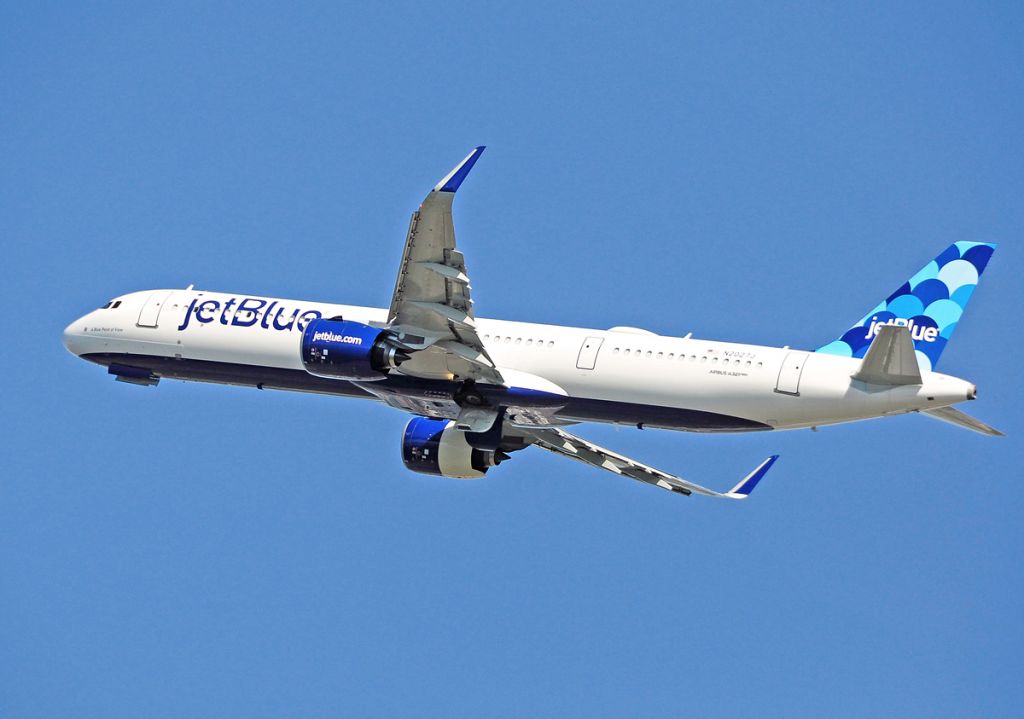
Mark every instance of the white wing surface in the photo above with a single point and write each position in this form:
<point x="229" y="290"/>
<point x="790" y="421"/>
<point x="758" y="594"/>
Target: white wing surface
<point x="568" y="445"/>
<point x="431" y="309"/>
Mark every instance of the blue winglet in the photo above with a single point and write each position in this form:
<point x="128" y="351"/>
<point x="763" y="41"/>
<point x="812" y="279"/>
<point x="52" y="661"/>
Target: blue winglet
<point x="745" y="487"/>
<point x="454" y="179"/>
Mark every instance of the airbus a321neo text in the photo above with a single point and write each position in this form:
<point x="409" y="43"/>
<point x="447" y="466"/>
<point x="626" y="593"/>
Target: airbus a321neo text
<point x="480" y="389"/>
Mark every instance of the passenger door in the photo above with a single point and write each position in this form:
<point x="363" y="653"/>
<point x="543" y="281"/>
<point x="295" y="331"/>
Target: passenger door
<point x="149" y="316"/>
<point x="789" y="374"/>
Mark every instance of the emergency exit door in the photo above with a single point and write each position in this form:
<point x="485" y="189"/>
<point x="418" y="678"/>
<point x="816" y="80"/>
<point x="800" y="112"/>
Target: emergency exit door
<point x="588" y="352"/>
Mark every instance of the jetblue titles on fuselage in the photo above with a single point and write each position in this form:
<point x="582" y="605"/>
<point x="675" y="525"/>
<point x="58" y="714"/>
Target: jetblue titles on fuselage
<point x="247" y="314"/>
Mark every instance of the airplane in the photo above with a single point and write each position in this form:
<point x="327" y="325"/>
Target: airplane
<point x="481" y="389"/>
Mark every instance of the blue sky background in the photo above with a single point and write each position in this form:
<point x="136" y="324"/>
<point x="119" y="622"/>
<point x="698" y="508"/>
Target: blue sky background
<point x="751" y="173"/>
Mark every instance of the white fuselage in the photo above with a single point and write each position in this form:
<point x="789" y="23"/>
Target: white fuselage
<point x="239" y="339"/>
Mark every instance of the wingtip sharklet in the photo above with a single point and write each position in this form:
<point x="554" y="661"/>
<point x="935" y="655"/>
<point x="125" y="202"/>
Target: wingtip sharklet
<point x="453" y="180"/>
<point x="747" y="484"/>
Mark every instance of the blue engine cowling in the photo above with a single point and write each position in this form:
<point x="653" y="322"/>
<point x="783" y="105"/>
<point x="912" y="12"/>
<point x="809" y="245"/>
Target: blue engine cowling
<point x="342" y="349"/>
<point x="435" y="446"/>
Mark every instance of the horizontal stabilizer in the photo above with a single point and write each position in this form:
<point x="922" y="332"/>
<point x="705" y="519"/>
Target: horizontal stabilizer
<point x="891" y="359"/>
<point x="962" y="419"/>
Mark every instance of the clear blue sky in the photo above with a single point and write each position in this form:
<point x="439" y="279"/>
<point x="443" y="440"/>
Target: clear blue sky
<point x="762" y="174"/>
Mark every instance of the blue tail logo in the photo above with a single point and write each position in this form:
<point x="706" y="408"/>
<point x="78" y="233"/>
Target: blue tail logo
<point x="930" y="304"/>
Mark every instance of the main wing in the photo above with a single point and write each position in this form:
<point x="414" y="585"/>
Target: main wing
<point x="431" y="315"/>
<point x="431" y="309"/>
<point x="561" y="442"/>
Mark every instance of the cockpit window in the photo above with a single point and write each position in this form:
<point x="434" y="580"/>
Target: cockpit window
<point x="113" y="304"/>
<point x="107" y="306"/>
<point x="116" y="304"/>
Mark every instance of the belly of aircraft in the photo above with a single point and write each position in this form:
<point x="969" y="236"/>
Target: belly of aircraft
<point x="576" y="409"/>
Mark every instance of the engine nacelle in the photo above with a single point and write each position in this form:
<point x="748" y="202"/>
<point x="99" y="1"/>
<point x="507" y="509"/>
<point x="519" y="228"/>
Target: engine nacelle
<point x="341" y="349"/>
<point x="434" y="446"/>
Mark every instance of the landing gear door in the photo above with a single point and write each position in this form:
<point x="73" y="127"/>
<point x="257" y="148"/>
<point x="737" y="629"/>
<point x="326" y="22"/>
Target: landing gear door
<point x="588" y="353"/>
<point x="150" y="314"/>
<point x="789" y="375"/>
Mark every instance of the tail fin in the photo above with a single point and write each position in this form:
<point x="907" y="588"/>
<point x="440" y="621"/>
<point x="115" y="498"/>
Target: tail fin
<point x="929" y="304"/>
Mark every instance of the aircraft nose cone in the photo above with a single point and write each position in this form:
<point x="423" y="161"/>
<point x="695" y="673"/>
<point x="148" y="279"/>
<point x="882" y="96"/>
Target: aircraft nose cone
<point x="72" y="337"/>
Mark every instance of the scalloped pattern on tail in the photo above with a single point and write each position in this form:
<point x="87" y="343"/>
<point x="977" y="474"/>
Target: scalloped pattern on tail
<point x="930" y="304"/>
